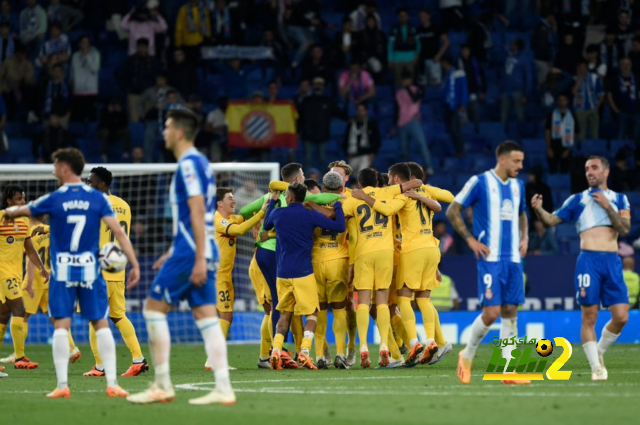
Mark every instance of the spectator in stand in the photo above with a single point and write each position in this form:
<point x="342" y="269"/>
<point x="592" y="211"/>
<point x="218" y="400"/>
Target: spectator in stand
<point x="516" y="84"/>
<point x="56" y="50"/>
<point x="356" y="86"/>
<point x="85" y="67"/>
<point x="143" y="24"/>
<point x="623" y="100"/>
<point x="137" y="75"/>
<point x="536" y="185"/>
<point x="16" y="82"/>
<point x="610" y="51"/>
<point x="407" y="116"/>
<point x="573" y="19"/>
<point x="623" y="179"/>
<point x="568" y="55"/>
<point x="455" y="98"/>
<point x="7" y="42"/>
<point x="403" y="47"/>
<point x="343" y="44"/>
<point x="588" y="95"/>
<point x="634" y="56"/>
<point x="314" y="124"/>
<point x="361" y="140"/>
<point x="221" y="22"/>
<point x="114" y="128"/>
<point x="362" y="13"/>
<point x="153" y="102"/>
<point x="542" y="44"/>
<point x="53" y="137"/>
<point x="137" y="155"/>
<point x="217" y="126"/>
<point x="560" y="132"/>
<point x="273" y="92"/>
<point x="33" y="28"/>
<point x="623" y="31"/>
<point x="193" y="28"/>
<point x="7" y="15"/>
<point x="479" y="38"/>
<point x="542" y="241"/>
<point x="182" y="74"/>
<point x="594" y="63"/>
<point x="447" y="242"/>
<point x="451" y="13"/>
<point x="234" y="76"/>
<point x="475" y="84"/>
<point x="302" y="18"/>
<point x="371" y="49"/>
<point x="304" y="91"/>
<point x="280" y="58"/>
<point x="67" y="16"/>
<point x="56" y="97"/>
<point x="312" y="186"/>
<point x="433" y="44"/>
<point x="315" y="65"/>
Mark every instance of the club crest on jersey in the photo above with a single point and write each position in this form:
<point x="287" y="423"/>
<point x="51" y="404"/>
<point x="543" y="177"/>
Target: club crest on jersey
<point x="506" y="211"/>
<point x="10" y="240"/>
<point x="232" y="242"/>
<point x="583" y="293"/>
<point x="488" y="294"/>
<point x="224" y="222"/>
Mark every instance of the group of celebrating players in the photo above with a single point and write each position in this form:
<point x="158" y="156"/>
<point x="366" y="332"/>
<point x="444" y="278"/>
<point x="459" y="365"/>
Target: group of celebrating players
<point x="347" y="249"/>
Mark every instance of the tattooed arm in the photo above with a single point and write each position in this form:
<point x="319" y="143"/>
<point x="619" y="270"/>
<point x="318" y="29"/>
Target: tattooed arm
<point x="478" y="248"/>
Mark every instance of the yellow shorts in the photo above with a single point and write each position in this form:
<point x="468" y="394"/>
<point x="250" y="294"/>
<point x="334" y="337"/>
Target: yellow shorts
<point x="263" y="293"/>
<point x="331" y="277"/>
<point x="373" y="271"/>
<point x="419" y="269"/>
<point x="10" y="288"/>
<point x="226" y="296"/>
<point x="115" y="292"/>
<point x="298" y="296"/>
<point x="40" y="300"/>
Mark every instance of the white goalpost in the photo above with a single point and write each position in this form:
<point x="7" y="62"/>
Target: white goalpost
<point x="145" y="188"/>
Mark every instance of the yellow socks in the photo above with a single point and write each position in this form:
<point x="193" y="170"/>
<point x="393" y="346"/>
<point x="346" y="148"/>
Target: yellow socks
<point x="399" y="331"/>
<point x="408" y="318"/>
<point x="17" y="334"/>
<point x="72" y="343"/>
<point x="384" y="323"/>
<point x="362" y="319"/>
<point x="265" y="337"/>
<point x="352" y="328"/>
<point x="225" y="325"/>
<point x="393" y="347"/>
<point x="297" y="329"/>
<point x="130" y="338"/>
<point x="428" y="316"/>
<point x="3" y="330"/>
<point x="439" y="337"/>
<point x="278" y="342"/>
<point x="321" y="333"/>
<point x="93" y="342"/>
<point x="340" y="330"/>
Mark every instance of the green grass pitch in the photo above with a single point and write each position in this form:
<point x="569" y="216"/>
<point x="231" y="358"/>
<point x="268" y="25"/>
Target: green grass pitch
<point x="422" y="395"/>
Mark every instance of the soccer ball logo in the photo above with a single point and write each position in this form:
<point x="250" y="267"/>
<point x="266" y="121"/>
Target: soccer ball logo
<point x="111" y="258"/>
<point x="544" y="347"/>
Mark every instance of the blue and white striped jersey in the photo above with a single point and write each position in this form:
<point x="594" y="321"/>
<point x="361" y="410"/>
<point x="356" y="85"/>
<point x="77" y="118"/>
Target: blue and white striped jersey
<point x="496" y="211"/>
<point x="581" y="208"/>
<point x="75" y="213"/>
<point x="193" y="178"/>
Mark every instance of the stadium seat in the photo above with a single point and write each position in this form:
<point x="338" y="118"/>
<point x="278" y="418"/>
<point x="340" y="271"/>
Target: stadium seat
<point x="13" y="129"/>
<point x="533" y="146"/>
<point x="137" y="133"/>
<point x="444" y="181"/>
<point x="634" y="199"/>
<point x="616" y="146"/>
<point x="594" y="147"/>
<point x="565" y="231"/>
<point x="20" y="147"/>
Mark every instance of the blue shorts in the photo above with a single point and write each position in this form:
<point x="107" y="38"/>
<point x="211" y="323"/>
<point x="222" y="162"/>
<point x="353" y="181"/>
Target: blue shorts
<point x="500" y="283"/>
<point x="599" y="279"/>
<point x="172" y="284"/>
<point x="94" y="303"/>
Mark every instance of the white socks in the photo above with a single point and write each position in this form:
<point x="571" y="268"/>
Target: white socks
<point x="606" y="340"/>
<point x="107" y="350"/>
<point x="61" y="356"/>
<point x="478" y="331"/>
<point x="160" y="346"/>
<point x="215" y="346"/>
<point x="591" y="350"/>
<point x="508" y="330"/>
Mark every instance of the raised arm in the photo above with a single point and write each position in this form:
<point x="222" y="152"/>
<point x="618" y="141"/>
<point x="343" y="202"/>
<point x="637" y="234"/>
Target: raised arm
<point x="127" y="248"/>
<point x="432" y="204"/>
<point x="386" y="208"/>
<point x="240" y="229"/>
<point x="249" y="210"/>
<point x="337" y="225"/>
<point x="548" y="219"/>
<point x="269" y="218"/>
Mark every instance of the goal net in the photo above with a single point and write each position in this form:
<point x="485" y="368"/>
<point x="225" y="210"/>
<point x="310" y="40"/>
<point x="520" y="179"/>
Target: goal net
<point x="145" y="187"/>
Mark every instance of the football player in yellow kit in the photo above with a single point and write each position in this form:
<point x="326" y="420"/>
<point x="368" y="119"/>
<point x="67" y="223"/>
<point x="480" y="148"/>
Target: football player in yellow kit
<point x="15" y="241"/>
<point x="101" y="179"/>
<point x="228" y="227"/>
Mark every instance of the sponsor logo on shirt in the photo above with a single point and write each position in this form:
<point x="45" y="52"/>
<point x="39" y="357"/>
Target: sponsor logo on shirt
<point x="506" y="212"/>
<point x="10" y="240"/>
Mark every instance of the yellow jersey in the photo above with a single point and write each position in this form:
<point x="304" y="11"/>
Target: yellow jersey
<point x="397" y="238"/>
<point x="227" y="231"/>
<point x="373" y="230"/>
<point x="12" y="238"/>
<point x="329" y="245"/>
<point x="123" y="215"/>
<point x="41" y="243"/>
